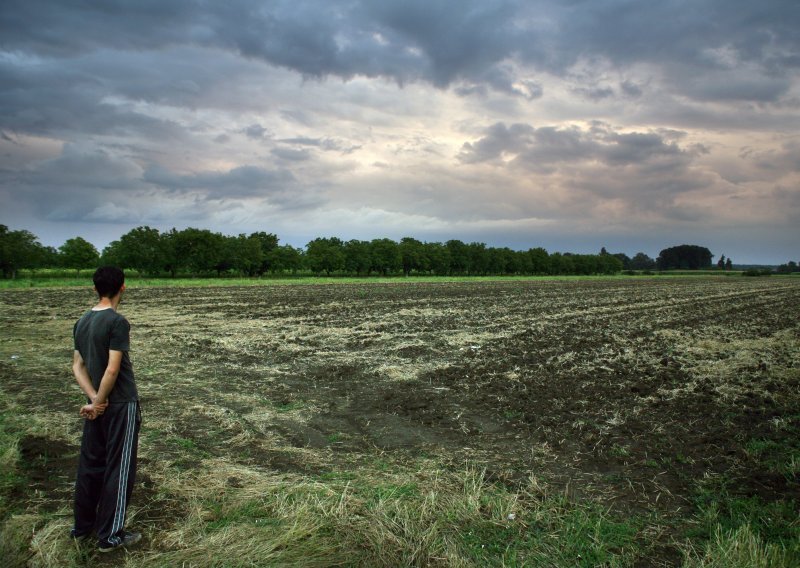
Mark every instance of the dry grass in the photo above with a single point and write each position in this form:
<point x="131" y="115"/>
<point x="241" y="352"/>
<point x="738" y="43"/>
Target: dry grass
<point x="730" y="365"/>
<point x="739" y="548"/>
<point x="415" y="519"/>
<point x="223" y="514"/>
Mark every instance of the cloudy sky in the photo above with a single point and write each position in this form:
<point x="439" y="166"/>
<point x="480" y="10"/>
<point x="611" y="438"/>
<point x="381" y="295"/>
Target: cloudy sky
<point x="570" y="124"/>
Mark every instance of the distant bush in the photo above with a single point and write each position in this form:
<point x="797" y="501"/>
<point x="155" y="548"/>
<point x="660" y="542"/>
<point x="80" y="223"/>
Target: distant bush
<point x="757" y="272"/>
<point x="638" y="273"/>
<point x="684" y="257"/>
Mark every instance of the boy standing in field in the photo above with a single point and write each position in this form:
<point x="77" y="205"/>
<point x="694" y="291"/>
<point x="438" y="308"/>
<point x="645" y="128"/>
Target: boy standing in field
<point x="107" y="465"/>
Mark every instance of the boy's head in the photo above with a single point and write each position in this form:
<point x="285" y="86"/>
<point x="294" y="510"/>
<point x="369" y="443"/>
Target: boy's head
<point x="108" y="280"/>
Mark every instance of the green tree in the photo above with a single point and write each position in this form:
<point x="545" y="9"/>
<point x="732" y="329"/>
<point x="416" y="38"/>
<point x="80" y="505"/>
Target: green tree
<point x="228" y="256"/>
<point x="521" y="263"/>
<point x="285" y="257"/>
<point x="385" y="255"/>
<point x="357" y="257"/>
<point x="196" y="250"/>
<point x="78" y="253"/>
<point x="585" y="264"/>
<point x="325" y="255"/>
<point x="500" y="261"/>
<point x="48" y="257"/>
<point x="641" y="261"/>
<point x="624" y="259"/>
<point x="246" y="254"/>
<point x="561" y="264"/>
<point x="609" y="264"/>
<point x="438" y="257"/>
<point x="142" y="248"/>
<point x="459" y="256"/>
<point x="539" y="261"/>
<point x="478" y="256"/>
<point x="20" y="249"/>
<point x="412" y="254"/>
<point x="686" y="257"/>
<point x="112" y="255"/>
<point x="172" y="262"/>
<point x="268" y="242"/>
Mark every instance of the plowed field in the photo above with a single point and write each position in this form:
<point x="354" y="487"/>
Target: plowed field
<point x="639" y="393"/>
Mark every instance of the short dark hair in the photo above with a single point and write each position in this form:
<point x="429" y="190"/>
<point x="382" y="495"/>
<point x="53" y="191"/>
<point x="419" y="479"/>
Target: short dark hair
<point x="108" y="280"/>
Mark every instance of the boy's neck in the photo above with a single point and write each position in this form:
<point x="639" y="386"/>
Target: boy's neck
<point x="106" y="303"/>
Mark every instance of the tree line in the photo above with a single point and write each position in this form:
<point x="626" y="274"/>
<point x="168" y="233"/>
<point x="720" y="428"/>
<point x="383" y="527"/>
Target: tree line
<point x="201" y="252"/>
<point x="195" y="251"/>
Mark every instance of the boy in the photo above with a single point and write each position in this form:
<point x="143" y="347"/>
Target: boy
<point x="107" y="465"/>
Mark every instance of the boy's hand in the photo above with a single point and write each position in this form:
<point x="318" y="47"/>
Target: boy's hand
<point x="92" y="411"/>
<point x="100" y="407"/>
<point x="88" y="412"/>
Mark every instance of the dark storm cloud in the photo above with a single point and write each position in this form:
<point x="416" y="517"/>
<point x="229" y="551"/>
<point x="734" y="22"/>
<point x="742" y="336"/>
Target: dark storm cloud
<point x="457" y="39"/>
<point x="498" y="140"/>
<point x="327" y="144"/>
<point x="501" y="79"/>
<point x="744" y="85"/>
<point x="256" y="131"/>
<point x="648" y="170"/>
<point x="631" y="89"/>
<point x="73" y="184"/>
<point x="45" y="98"/>
<point x="279" y="187"/>
<point x="682" y="32"/>
<point x="440" y="42"/>
<point x="595" y="93"/>
<point x="529" y="147"/>
<point x="91" y="172"/>
<point x="244" y="181"/>
<point x="88" y="168"/>
<point x="291" y="154"/>
<point x="774" y="163"/>
<point x="436" y="41"/>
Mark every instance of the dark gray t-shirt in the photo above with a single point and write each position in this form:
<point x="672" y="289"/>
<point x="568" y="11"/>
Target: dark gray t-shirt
<point x="95" y="334"/>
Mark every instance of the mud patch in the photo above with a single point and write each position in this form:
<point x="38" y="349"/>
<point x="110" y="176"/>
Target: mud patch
<point x="50" y="467"/>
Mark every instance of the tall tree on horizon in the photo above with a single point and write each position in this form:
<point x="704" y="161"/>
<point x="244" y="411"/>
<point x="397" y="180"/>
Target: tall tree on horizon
<point x="78" y="253"/>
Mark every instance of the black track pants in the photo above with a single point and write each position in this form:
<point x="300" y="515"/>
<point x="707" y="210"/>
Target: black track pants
<point x="106" y="471"/>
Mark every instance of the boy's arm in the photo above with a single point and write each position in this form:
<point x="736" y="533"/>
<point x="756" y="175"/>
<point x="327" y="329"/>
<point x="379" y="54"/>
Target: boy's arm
<point x="109" y="377"/>
<point x="90" y="411"/>
<point x="82" y="375"/>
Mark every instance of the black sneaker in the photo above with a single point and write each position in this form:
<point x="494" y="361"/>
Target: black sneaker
<point x="80" y="537"/>
<point x="128" y="538"/>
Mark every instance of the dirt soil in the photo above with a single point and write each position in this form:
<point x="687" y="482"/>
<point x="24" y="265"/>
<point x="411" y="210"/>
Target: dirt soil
<point x="628" y="391"/>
